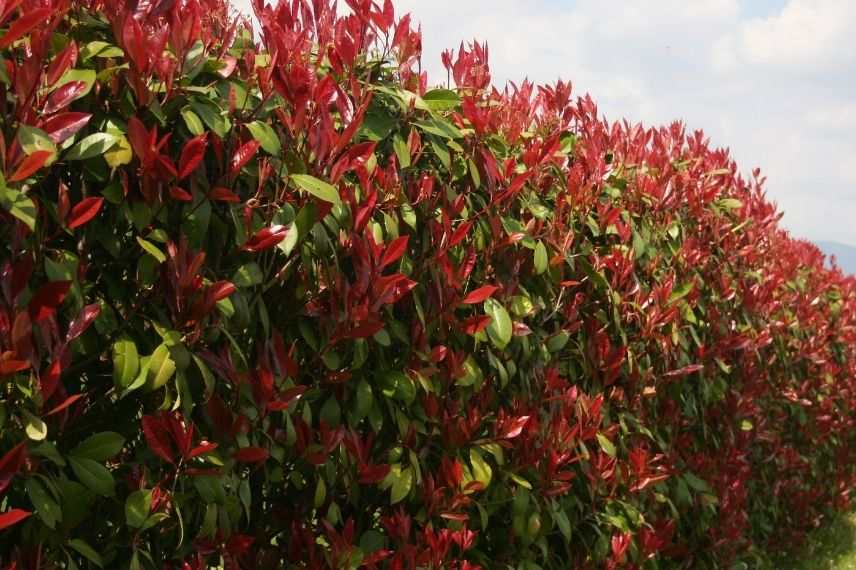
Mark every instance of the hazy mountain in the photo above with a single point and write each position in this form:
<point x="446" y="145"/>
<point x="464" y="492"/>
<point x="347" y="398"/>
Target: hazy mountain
<point x="845" y="255"/>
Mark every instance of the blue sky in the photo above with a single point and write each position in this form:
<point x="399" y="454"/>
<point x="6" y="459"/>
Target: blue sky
<point x="773" y="80"/>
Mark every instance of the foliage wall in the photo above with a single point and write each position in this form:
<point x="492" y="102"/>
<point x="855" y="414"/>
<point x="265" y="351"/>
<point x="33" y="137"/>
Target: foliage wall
<point x="281" y="302"/>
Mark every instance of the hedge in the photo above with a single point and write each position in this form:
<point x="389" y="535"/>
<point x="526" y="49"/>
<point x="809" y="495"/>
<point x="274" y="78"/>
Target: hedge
<point x="278" y="301"/>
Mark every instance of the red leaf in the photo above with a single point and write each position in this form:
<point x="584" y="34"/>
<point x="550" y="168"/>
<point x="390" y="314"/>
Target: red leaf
<point x="201" y="449"/>
<point x="12" y="517"/>
<point x="24" y="24"/>
<point x="220" y="290"/>
<point x="252" y="455"/>
<point x="84" y="211"/>
<point x="394" y="251"/>
<point x="65" y="404"/>
<point x="438" y="353"/>
<point x="221" y="194"/>
<point x="266" y="238"/>
<point x="371" y="474"/>
<point x="191" y="155"/>
<point x="476" y="324"/>
<point x="49" y="381"/>
<point x="138" y="135"/>
<point x="11" y="463"/>
<point x="459" y="234"/>
<point x="46" y="300"/>
<point x="480" y="294"/>
<point x="513" y="428"/>
<point x="63" y="126"/>
<point x="243" y="155"/>
<point x="287" y="398"/>
<point x="9" y="367"/>
<point x="177" y="193"/>
<point x="157" y="437"/>
<point x="63" y="96"/>
<point x="685" y="371"/>
<point x="62" y="62"/>
<point x="30" y="165"/>
<point x="79" y="325"/>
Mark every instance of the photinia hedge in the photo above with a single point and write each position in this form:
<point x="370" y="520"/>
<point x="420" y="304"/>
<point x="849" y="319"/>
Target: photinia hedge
<point x="274" y="301"/>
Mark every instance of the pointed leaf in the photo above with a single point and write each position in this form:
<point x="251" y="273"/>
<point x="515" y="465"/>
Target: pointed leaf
<point x="318" y="188"/>
<point x="84" y="211"/>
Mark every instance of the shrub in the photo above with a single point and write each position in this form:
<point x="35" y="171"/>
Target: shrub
<point x="284" y="306"/>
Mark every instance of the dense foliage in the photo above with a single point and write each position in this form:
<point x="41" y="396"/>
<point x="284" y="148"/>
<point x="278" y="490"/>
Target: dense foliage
<point x="280" y="304"/>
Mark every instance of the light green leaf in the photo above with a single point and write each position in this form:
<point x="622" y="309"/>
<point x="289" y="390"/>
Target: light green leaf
<point x="482" y="471"/>
<point x="401" y="486"/>
<point x="317" y="188"/>
<point x="540" y="258"/>
<point x="86" y="551"/>
<point x="93" y="475"/>
<point x="87" y="76"/>
<point x="18" y="204"/>
<point x="266" y="136"/>
<point x="138" y="505"/>
<point x="161" y="368"/>
<point x="33" y="139"/>
<point x="152" y="249"/>
<point x="34" y="427"/>
<point x="100" y="446"/>
<point x="402" y="151"/>
<point x="94" y="145"/>
<point x="441" y="99"/>
<point x="193" y="122"/>
<point x="126" y="362"/>
<point x="606" y="445"/>
<point x="499" y="330"/>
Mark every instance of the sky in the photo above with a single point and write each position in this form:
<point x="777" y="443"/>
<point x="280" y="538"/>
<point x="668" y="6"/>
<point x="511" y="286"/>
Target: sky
<point x="772" y="80"/>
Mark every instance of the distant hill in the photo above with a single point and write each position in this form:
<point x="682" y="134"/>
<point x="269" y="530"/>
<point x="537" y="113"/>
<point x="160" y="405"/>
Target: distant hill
<point x="845" y="255"/>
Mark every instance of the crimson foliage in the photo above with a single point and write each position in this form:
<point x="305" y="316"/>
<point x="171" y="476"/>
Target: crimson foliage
<point x="281" y="305"/>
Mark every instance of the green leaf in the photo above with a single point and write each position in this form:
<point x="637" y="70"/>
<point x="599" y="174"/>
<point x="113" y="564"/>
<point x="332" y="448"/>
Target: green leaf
<point x="441" y="99"/>
<point x="681" y="292"/>
<point x="192" y="121"/>
<point x="138" y="505"/>
<point x="696" y="482"/>
<point x="46" y="506"/>
<point x="402" y="151"/>
<point x="482" y="471"/>
<point x="100" y="446"/>
<point x="126" y="362"/>
<point x="34" y="427"/>
<point x="100" y="49"/>
<point x="364" y="400"/>
<point x="94" y="475"/>
<point x="87" y="76"/>
<point x="540" y="258"/>
<point x="18" y="204"/>
<point x="211" y="115"/>
<point x="86" y="551"/>
<point x="606" y="445"/>
<point x="317" y="188"/>
<point x="161" y="368"/>
<point x="94" y="145"/>
<point x="152" y="249"/>
<point x="401" y="485"/>
<point x="439" y="127"/>
<point x="248" y="275"/>
<point x="499" y="330"/>
<point x="266" y="136"/>
<point x="33" y="139"/>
